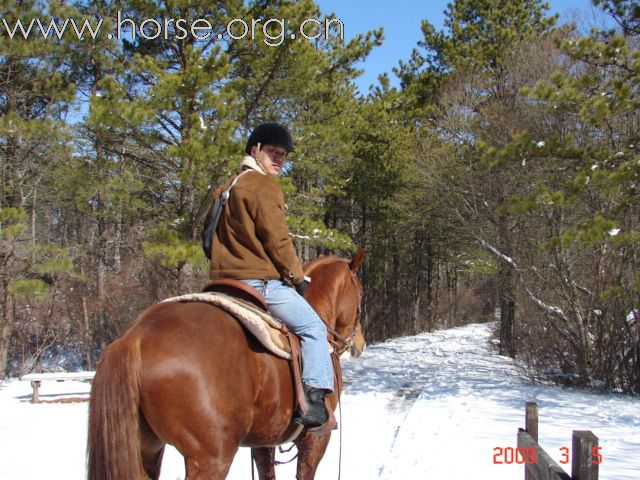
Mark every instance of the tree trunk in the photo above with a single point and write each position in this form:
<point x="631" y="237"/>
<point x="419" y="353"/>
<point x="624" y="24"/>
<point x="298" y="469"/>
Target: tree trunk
<point x="87" y="344"/>
<point x="507" y="309"/>
<point x="6" y="327"/>
<point x="417" y="282"/>
<point x="506" y="289"/>
<point x="431" y="301"/>
<point x="507" y="321"/>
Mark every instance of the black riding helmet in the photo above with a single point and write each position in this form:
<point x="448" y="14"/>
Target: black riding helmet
<point x="270" y="134"/>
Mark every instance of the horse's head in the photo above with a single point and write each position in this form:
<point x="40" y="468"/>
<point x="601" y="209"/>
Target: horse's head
<point x="336" y="294"/>
<point x="359" y="342"/>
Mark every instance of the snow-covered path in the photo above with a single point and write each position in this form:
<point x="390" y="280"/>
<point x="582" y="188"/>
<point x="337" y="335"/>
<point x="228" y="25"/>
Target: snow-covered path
<point x="433" y="406"/>
<point x="456" y="400"/>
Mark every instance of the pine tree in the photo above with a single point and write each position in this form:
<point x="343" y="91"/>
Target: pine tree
<point x="33" y="100"/>
<point x="170" y="116"/>
<point x="100" y="190"/>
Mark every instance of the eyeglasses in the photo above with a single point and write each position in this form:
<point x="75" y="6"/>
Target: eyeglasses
<point x="275" y="152"/>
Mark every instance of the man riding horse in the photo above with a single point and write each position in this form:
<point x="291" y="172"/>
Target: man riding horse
<point x="251" y="243"/>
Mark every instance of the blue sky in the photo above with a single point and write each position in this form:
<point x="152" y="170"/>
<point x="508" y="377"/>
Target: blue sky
<point x="401" y="21"/>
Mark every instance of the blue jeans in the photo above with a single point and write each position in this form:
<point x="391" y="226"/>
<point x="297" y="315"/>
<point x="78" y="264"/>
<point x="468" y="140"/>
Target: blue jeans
<point x="294" y="311"/>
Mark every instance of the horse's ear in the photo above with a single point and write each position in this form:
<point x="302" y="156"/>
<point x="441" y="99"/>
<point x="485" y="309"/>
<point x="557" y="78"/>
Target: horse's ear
<point x="357" y="260"/>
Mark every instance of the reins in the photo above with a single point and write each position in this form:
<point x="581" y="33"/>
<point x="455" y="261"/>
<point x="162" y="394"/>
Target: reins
<point x="342" y="344"/>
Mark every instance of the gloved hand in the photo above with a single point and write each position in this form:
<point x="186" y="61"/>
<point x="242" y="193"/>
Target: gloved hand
<point x="302" y="287"/>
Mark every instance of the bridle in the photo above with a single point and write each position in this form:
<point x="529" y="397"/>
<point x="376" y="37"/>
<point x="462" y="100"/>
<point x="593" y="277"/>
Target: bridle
<point x="339" y="343"/>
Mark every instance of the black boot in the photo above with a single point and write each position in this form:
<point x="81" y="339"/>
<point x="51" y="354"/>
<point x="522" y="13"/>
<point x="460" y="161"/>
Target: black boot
<point x="317" y="414"/>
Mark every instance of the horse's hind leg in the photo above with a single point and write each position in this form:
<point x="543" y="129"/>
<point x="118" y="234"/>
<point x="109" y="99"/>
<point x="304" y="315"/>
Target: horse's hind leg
<point x="151" y="449"/>
<point x="265" y="462"/>
<point x="153" y="464"/>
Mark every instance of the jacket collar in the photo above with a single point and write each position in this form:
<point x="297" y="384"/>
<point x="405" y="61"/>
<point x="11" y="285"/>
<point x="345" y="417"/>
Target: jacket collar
<point x="250" y="162"/>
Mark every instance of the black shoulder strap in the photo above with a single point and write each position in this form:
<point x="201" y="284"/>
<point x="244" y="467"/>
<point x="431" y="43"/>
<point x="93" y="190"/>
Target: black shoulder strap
<point x="216" y="213"/>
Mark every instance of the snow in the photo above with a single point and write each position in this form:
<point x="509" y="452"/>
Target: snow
<point x="436" y="405"/>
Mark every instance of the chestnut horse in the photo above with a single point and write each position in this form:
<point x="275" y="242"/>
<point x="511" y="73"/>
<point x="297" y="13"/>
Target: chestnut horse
<point x="188" y="374"/>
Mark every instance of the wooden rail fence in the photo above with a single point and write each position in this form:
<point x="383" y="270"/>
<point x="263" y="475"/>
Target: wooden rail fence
<point x="36" y="380"/>
<point x="585" y="456"/>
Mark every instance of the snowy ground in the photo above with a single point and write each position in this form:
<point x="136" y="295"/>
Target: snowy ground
<point x="434" y="406"/>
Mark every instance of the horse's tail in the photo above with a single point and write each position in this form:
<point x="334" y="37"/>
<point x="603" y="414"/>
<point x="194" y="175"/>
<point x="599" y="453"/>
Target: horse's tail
<point x="113" y="441"/>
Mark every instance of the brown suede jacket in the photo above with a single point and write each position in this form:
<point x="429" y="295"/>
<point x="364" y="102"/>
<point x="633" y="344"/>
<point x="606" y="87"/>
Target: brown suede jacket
<point x="252" y="239"/>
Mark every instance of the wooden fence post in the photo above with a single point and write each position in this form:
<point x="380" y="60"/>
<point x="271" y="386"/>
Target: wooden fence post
<point x="585" y="456"/>
<point x="531" y="426"/>
<point x="531" y="420"/>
